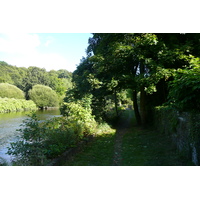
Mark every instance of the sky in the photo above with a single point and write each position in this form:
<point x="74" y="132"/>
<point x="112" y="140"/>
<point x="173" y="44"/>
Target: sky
<point x="44" y="50"/>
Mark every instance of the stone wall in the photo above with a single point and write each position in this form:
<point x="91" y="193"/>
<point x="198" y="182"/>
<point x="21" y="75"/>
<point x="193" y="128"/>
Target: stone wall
<point x="184" y="129"/>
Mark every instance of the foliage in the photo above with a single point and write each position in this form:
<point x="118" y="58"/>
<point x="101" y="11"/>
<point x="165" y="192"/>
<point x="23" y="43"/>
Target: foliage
<point x="43" y="96"/>
<point x="26" y="78"/>
<point x="12" y="74"/>
<point x="3" y="162"/>
<point x="10" y="91"/>
<point x="144" y="63"/>
<point x="185" y="88"/>
<point x="29" y="149"/>
<point x="60" y="81"/>
<point x="79" y="116"/>
<point x="14" y="105"/>
<point x="41" y="141"/>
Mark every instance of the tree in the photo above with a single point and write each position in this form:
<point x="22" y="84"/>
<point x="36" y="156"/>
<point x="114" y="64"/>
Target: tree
<point x="63" y="73"/>
<point x="59" y="84"/>
<point x="185" y="88"/>
<point x="12" y="74"/>
<point x="43" y="96"/>
<point x="144" y="63"/>
<point x="34" y="76"/>
<point x="10" y="91"/>
<point x="141" y="62"/>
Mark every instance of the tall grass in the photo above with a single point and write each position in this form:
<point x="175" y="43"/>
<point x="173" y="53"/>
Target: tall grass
<point x="15" y="105"/>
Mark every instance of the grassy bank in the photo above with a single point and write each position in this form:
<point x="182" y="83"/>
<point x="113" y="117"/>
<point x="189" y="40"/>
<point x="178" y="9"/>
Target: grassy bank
<point x="99" y="152"/>
<point x="139" y="147"/>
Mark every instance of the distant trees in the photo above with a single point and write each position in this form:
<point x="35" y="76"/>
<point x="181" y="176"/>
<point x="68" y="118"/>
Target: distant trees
<point x="34" y="76"/>
<point x="43" y="96"/>
<point x="12" y="74"/>
<point x="18" y="82"/>
<point x="11" y="91"/>
<point x="26" y="78"/>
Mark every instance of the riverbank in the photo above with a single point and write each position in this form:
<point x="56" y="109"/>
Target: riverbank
<point x="16" y="105"/>
<point x="130" y="145"/>
<point x="10" y="122"/>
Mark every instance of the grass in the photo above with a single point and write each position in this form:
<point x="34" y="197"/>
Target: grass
<point x="139" y="147"/>
<point x="99" y="152"/>
<point x="146" y="147"/>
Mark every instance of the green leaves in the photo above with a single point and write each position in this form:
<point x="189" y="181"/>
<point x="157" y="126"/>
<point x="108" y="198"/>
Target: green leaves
<point x="14" y="105"/>
<point x="10" y="91"/>
<point x="43" y="96"/>
<point x="185" y="88"/>
<point x="26" y="78"/>
<point x="41" y="141"/>
<point x="77" y="115"/>
<point x="94" y="82"/>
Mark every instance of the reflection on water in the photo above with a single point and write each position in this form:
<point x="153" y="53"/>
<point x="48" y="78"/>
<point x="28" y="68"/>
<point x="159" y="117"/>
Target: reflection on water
<point x="10" y="122"/>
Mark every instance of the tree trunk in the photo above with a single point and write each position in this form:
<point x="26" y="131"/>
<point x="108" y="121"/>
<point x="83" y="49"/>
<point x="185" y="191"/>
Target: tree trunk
<point x="115" y="96"/>
<point x="136" y="110"/>
<point x="143" y="108"/>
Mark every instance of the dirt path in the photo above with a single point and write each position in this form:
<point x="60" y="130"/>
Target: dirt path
<point x="123" y="126"/>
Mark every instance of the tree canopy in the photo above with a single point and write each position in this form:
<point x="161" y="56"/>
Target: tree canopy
<point x="43" y="96"/>
<point x="26" y="78"/>
<point x="157" y="67"/>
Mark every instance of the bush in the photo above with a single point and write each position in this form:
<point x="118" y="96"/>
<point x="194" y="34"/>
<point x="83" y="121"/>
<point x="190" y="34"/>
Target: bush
<point x="29" y="149"/>
<point x="14" y="105"/>
<point x="41" y="141"/>
<point x="43" y="96"/>
<point x="77" y="115"/>
<point x="10" y="91"/>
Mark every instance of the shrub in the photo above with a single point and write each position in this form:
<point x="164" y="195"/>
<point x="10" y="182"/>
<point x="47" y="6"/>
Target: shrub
<point x="14" y="105"/>
<point x="43" y="96"/>
<point x="28" y="150"/>
<point x="10" y="91"/>
<point x="77" y="114"/>
<point x="41" y="141"/>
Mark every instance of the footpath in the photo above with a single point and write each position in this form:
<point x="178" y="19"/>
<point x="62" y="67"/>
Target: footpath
<point x="129" y="145"/>
<point x="123" y="127"/>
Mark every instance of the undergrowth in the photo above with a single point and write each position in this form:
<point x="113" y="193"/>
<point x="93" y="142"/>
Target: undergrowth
<point x="98" y="152"/>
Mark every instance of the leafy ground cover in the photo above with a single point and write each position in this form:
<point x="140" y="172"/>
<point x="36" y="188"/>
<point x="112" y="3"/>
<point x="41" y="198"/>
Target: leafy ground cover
<point x="129" y="145"/>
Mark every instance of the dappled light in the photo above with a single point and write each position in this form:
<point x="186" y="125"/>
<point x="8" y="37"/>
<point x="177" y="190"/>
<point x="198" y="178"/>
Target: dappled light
<point x="125" y="104"/>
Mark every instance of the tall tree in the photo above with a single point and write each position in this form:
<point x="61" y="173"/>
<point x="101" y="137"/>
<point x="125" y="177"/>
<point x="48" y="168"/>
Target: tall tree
<point x="144" y="63"/>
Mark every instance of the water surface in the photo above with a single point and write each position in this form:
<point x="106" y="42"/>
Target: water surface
<point x="10" y="122"/>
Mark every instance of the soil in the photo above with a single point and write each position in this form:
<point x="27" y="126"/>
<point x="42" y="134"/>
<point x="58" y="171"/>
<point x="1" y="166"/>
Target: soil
<point x="122" y="128"/>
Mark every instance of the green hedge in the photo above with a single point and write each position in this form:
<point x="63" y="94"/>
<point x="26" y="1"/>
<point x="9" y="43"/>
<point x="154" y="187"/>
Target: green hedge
<point x="15" y="105"/>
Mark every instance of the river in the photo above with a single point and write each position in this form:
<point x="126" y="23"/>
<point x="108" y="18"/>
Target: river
<point x="10" y="122"/>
